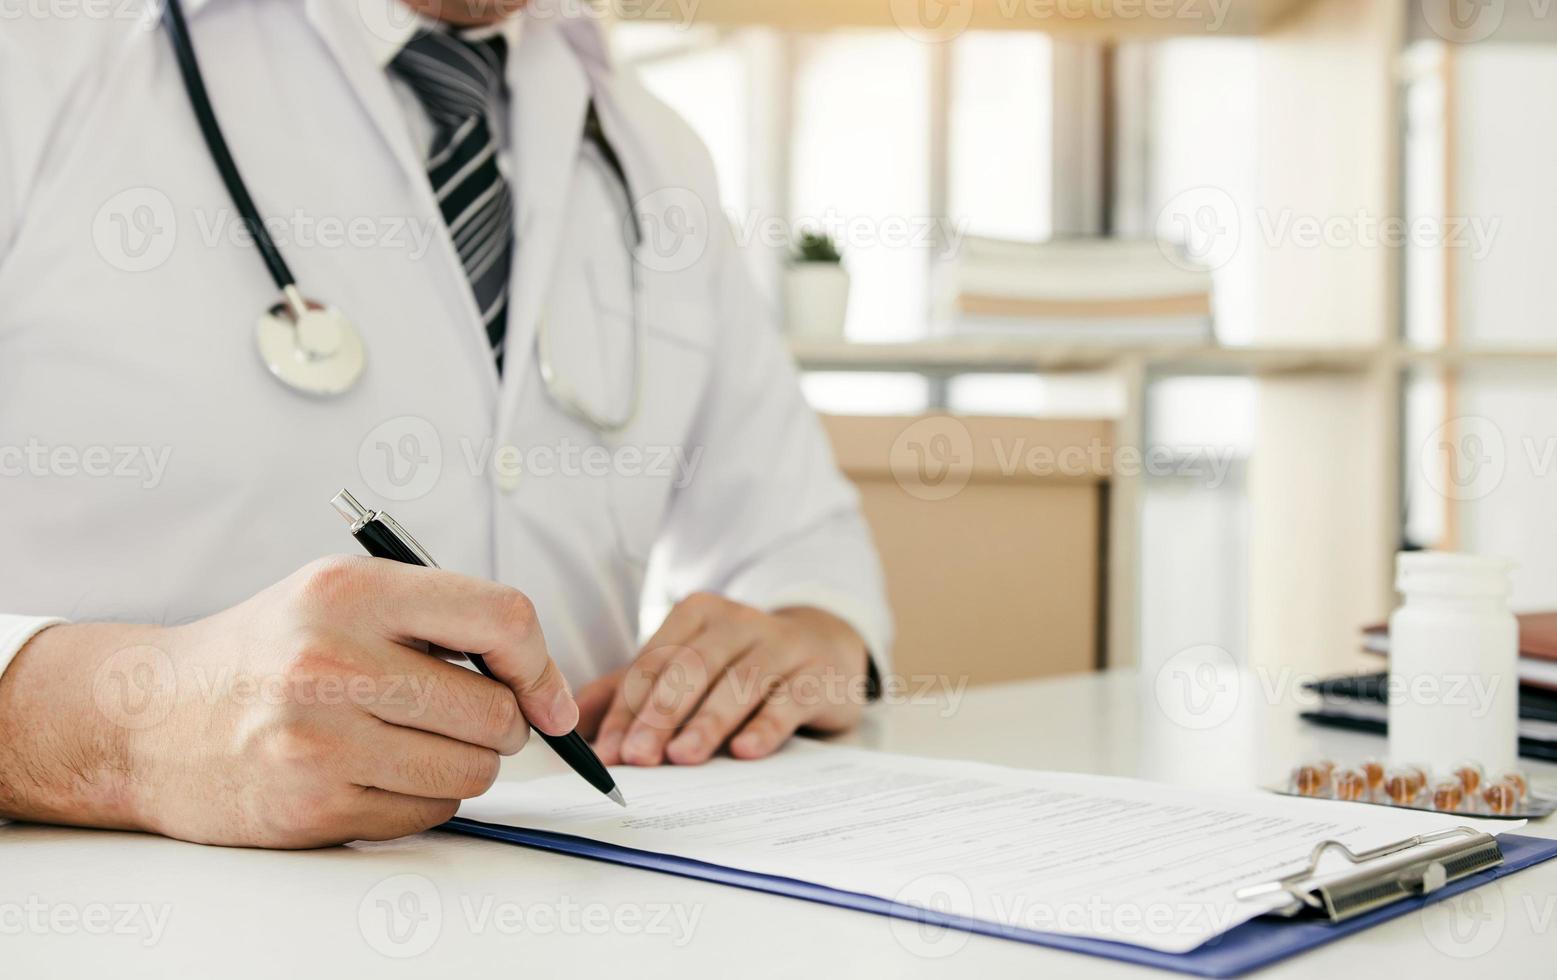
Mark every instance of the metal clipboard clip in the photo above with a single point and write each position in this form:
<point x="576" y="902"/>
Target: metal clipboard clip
<point x="1349" y="894"/>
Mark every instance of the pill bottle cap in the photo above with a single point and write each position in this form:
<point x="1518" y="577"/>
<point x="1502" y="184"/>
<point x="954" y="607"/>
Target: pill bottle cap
<point x="1441" y="573"/>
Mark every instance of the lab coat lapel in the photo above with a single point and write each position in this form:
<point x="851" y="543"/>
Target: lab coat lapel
<point x="549" y="97"/>
<point x="336" y="23"/>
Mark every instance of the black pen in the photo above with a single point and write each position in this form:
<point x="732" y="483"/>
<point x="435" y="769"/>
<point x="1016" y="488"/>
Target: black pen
<point x="383" y="537"/>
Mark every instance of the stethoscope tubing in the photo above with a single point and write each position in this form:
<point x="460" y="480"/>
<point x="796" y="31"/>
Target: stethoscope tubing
<point x="237" y="190"/>
<point x="216" y="143"/>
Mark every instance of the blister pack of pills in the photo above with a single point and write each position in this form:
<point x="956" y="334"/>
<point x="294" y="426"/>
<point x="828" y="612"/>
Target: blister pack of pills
<point x="1462" y="788"/>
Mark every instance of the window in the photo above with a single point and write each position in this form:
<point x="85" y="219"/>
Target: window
<point x="1000" y="135"/>
<point x="860" y="170"/>
<point x="709" y="85"/>
<point x="895" y="147"/>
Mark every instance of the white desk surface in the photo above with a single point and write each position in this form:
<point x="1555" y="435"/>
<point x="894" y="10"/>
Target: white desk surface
<point x="250" y="913"/>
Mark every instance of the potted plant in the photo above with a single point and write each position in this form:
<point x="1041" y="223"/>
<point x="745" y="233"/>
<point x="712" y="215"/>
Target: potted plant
<point x="816" y="288"/>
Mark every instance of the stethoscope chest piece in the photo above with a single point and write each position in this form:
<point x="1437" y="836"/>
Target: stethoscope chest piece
<point x="314" y="348"/>
<point x="310" y="347"/>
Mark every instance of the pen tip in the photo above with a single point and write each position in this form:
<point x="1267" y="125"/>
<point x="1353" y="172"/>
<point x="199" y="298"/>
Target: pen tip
<point x="617" y="798"/>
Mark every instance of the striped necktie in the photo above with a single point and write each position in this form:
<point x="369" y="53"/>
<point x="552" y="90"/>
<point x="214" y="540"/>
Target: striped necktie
<point x="460" y="82"/>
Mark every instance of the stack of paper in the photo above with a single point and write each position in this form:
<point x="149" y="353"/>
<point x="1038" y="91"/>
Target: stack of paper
<point x="1082" y="290"/>
<point x="1005" y="851"/>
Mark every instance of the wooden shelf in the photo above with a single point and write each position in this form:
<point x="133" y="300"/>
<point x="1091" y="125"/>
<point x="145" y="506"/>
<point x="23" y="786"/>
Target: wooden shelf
<point x="971" y="355"/>
<point x="1110" y="18"/>
<point x="1478" y="357"/>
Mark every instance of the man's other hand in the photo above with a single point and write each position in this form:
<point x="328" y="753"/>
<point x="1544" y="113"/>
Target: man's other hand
<point x="720" y="672"/>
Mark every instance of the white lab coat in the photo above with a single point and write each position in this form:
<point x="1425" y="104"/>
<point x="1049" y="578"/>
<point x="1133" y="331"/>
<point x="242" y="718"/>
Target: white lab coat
<point x="151" y="469"/>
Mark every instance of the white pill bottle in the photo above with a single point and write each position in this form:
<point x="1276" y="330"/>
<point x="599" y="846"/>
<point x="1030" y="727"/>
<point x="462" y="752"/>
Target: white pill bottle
<point x="1453" y="663"/>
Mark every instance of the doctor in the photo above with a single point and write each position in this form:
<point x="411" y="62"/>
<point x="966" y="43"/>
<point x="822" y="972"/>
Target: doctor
<point x="511" y="315"/>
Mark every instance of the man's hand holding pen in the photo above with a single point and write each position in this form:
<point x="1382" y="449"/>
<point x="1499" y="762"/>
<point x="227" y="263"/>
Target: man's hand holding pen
<point x="310" y="714"/>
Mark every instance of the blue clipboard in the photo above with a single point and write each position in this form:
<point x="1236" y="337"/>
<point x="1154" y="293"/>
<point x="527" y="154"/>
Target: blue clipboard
<point x="1254" y="944"/>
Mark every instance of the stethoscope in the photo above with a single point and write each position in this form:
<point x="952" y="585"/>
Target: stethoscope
<point x="313" y="347"/>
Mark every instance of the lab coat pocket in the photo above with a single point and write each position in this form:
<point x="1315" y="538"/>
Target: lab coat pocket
<point x="656" y="456"/>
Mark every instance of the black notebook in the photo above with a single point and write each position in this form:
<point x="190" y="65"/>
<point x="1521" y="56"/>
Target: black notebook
<point x="1358" y="702"/>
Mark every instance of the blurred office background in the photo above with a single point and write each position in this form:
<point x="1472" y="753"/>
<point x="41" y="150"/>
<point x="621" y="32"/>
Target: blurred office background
<point x="1376" y="180"/>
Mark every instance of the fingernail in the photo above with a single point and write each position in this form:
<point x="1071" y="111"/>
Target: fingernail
<point x="747" y="743"/>
<point x="687" y="741"/>
<point x="564" y="711"/>
<point x="640" y="745"/>
<point x="609" y="746"/>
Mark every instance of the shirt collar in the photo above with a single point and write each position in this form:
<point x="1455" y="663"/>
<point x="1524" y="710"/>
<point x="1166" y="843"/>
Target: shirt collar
<point x="388" y="24"/>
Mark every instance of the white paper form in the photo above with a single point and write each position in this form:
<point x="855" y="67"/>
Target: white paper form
<point x="1118" y="859"/>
